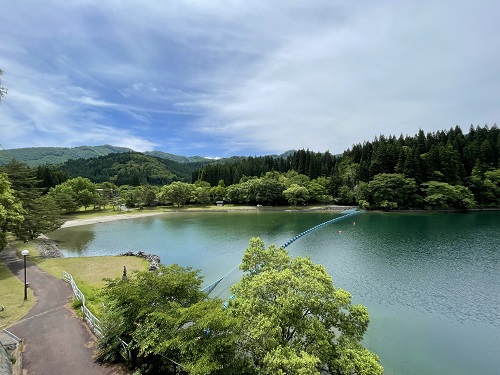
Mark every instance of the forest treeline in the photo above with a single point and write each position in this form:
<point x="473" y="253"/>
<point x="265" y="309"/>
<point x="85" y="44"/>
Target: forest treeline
<point x="446" y="156"/>
<point x="445" y="164"/>
<point x="444" y="169"/>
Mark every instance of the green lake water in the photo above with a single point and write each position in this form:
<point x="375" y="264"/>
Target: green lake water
<point x="431" y="281"/>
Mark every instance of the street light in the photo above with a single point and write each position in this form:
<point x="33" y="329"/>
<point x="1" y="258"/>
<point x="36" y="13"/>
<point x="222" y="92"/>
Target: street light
<point x="25" y="253"/>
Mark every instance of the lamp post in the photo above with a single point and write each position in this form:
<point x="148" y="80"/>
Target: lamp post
<point x="25" y="253"/>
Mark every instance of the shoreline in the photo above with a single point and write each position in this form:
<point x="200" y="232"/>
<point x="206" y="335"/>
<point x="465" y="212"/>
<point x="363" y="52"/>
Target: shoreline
<point x="106" y="219"/>
<point x="126" y="216"/>
<point x="48" y="248"/>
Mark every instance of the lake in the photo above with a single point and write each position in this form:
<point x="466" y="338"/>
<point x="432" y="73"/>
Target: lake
<point x="431" y="281"/>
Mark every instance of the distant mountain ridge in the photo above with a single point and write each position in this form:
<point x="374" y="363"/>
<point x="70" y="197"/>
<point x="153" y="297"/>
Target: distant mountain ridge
<point x="177" y="158"/>
<point x="35" y="156"/>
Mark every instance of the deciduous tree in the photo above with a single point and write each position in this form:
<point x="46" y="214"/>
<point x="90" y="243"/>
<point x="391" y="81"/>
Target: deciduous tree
<point x="168" y="323"/>
<point x="74" y="193"/>
<point x="441" y="195"/>
<point x="176" y="193"/>
<point x="389" y="191"/>
<point x="294" y="321"/>
<point x="85" y="191"/>
<point x="202" y="195"/>
<point x="296" y="194"/>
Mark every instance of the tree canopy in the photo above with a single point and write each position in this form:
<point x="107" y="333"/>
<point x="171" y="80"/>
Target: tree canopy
<point x="11" y="210"/>
<point x="407" y="165"/>
<point x="450" y="157"/>
<point x="75" y="193"/>
<point x="41" y="213"/>
<point x="294" y="321"/>
<point x="285" y="317"/>
<point x="168" y="323"/>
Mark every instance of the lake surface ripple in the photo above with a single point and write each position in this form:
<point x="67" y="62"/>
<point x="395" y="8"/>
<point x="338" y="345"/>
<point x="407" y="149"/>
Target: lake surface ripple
<point x="431" y="281"/>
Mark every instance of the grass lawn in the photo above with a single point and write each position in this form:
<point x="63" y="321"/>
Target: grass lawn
<point x="89" y="273"/>
<point x="91" y="270"/>
<point x="12" y="290"/>
<point x="12" y="298"/>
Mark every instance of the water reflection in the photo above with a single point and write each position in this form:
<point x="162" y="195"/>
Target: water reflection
<point x="430" y="280"/>
<point x="74" y="240"/>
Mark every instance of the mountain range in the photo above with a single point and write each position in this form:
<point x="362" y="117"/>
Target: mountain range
<point x="119" y="165"/>
<point x="35" y="156"/>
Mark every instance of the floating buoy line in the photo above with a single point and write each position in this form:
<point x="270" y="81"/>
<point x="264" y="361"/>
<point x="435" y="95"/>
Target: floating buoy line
<point x="347" y="213"/>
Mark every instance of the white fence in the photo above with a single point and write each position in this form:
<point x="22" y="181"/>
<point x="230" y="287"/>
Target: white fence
<point x="92" y="321"/>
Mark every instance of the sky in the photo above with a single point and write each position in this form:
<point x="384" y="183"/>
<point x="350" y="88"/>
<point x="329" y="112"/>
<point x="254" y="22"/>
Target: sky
<point x="219" y="78"/>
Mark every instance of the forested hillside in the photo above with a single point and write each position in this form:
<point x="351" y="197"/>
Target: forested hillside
<point x="447" y="156"/>
<point x="132" y="168"/>
<point x="445" y="169"/>
<point x="312" y="164"/>
<point x="417" y="171"/>
<point x="35" y="156"/>
<point x="177" y="158"/>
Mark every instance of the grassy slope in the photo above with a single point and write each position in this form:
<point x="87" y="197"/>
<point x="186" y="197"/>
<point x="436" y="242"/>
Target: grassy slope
<point x="91" y="271"/>
<point x="12" y="298"/>
<point x="88" y="273"/>
<point x="12" y="290"/>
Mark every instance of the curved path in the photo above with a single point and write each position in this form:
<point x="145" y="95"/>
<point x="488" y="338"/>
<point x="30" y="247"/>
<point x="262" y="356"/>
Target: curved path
<point x="56" y="341"/>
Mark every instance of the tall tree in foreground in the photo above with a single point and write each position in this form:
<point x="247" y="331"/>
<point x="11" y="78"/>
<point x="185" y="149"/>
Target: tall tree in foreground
<point x="11" y="210"/>
<point x="294" y="321"/>
<point x="168" y="323"/>
<point x="41" y="213"/>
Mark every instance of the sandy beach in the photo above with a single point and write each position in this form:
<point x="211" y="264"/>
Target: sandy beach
<point x="127" y="216"/>
<point x="105" y="219"/>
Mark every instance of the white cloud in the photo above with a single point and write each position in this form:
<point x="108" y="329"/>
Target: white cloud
<point x="237" y="77"/>
<point x="388" y="71"/>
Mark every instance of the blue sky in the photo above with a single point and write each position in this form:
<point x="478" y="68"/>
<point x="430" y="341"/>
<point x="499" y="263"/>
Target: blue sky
<point x="221" y="78"/>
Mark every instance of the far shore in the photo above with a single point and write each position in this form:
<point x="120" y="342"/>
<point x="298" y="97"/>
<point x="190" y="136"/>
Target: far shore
<point x="107" y="218"/>
<point x="134" y="215"/>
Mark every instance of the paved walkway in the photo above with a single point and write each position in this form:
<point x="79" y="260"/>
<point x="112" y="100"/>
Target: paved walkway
<point x="57" y="342"/>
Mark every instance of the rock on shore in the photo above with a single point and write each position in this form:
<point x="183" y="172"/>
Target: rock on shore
<point x="153" y="259"/>
<point x="47" y="248"/>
